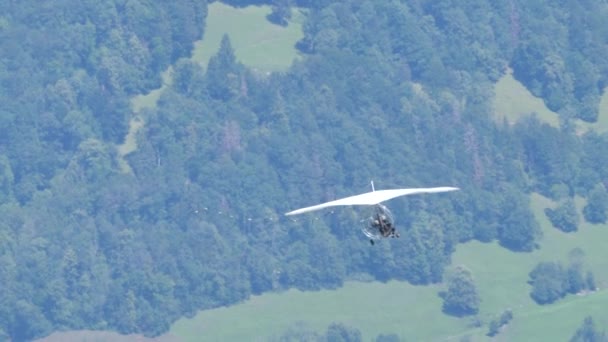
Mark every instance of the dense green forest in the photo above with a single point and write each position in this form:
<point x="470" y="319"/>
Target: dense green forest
<point x="393" y="91"/>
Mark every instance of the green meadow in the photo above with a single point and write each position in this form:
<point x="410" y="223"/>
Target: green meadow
<point x="513" y="101"/>
<point x="149" y="100"/>
<point x="501" y="277"/>
<point x="257" y="42"/>
<point x="374" y="308"/>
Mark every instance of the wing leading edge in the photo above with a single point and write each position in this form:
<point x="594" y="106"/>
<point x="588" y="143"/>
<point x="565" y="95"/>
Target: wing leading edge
<point x="371" y="198"/>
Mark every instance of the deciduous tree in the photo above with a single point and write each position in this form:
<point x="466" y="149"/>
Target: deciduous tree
<point x="460" y="298"/>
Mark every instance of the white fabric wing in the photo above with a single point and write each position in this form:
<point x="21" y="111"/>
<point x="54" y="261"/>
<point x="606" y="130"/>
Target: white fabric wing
<point x="372" y="198"/>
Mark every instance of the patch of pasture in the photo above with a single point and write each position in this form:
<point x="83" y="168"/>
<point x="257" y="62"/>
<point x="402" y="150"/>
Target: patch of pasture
<point x="501" y="277"/>
<point x="374" y="308"/>
<point x="513" y="101"/>
<point x="257" y="42"/>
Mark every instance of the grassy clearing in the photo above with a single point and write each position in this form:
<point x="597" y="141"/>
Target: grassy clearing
<point x="130" y="144"/>
<point x="501" y="277"/>
<point x="374" y="308"/>
<point x="559" y="321"/>
<point x="257" y="42"/>
<point x="138" y="103"/>
<point x="513" y="101"/>
<point x="150" y="99"/>
<point x="414" y="312"/>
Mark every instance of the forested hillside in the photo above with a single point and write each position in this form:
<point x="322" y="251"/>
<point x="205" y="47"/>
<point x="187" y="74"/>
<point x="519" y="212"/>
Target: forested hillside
<point x="67" y="70"/>
<point x="393" y="91"/>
